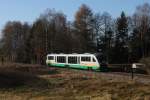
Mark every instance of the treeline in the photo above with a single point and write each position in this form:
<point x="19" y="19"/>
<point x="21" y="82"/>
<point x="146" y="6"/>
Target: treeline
<point x="124" y="39"/>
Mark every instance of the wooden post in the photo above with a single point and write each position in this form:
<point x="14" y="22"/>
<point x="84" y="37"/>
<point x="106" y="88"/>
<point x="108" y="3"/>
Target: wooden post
<point x="132" y="69"/>
<point x="132" y="73"/>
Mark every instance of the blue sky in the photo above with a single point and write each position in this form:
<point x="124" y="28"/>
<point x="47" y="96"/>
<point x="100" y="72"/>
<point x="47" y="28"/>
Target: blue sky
<point x="29" y="10"/>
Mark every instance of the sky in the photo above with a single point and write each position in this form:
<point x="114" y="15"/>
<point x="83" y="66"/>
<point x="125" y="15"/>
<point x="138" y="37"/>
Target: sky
<point x="29" y="10"/>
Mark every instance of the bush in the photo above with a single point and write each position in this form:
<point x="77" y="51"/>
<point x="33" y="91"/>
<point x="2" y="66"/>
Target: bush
<point x="146" y="61"/>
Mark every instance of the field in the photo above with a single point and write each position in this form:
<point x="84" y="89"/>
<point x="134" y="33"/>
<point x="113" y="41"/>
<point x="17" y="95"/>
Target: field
<point x="36" y="82"/>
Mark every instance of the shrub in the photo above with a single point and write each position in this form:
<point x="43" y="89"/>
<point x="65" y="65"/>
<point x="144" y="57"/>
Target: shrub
<point x="146" y="61"/>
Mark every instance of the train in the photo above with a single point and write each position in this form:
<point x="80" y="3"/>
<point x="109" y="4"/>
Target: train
<point x="85" y="61"/>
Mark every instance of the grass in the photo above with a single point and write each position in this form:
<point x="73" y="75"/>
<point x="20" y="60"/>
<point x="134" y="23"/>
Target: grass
<point x="39" y="83"/>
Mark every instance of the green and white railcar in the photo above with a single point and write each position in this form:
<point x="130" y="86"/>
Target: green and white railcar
<point x="81" y="61"/>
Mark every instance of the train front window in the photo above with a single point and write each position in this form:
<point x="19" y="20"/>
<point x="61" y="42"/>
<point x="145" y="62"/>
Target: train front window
<point x="94" y="60"/>
<point x="50" y="57"/>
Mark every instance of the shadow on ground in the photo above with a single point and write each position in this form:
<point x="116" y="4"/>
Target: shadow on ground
<point x="16" y="76"/>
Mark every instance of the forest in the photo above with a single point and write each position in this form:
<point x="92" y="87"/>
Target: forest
<point x="125" y="39"/>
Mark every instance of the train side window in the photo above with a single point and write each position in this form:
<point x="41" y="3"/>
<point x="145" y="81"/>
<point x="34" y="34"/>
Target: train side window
<point x="61" y="59"/>
<point x="86" y="59"/>
<point x="72" y="60"/>
<point x="50" y="57"/>
<point x="94" y="60"/>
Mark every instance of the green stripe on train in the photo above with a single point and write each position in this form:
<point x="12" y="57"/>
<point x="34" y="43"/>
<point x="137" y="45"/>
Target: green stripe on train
<point x="57" y="65"/>
<point x="75" y="66"/>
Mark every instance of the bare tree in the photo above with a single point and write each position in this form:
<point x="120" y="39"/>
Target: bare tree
<point x="141" y="20"/>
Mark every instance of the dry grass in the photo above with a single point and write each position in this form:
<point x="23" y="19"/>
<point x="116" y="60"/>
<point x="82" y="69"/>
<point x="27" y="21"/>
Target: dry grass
<point x="68" y="84"/>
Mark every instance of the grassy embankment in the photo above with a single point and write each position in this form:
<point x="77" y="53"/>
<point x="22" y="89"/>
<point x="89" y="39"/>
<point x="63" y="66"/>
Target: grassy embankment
<point x="35" y="82"/>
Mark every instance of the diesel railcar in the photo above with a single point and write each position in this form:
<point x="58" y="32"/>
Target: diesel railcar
<point x="80" y="61"/>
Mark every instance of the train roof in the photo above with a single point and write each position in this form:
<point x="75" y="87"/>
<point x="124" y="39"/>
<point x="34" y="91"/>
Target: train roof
<point x="75" y="54"/>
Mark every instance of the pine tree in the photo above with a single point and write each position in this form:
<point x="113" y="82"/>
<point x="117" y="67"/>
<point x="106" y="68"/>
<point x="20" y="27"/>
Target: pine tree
<point x="121" y="40"/>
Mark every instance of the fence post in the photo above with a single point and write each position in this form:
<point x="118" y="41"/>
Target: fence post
<point x="133" y="67"/>
<point x="132" y="73"/>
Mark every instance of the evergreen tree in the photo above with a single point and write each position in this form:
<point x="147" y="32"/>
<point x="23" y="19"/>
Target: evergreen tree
<point x="135" y="46"/>
<point x="121" y="40"/>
